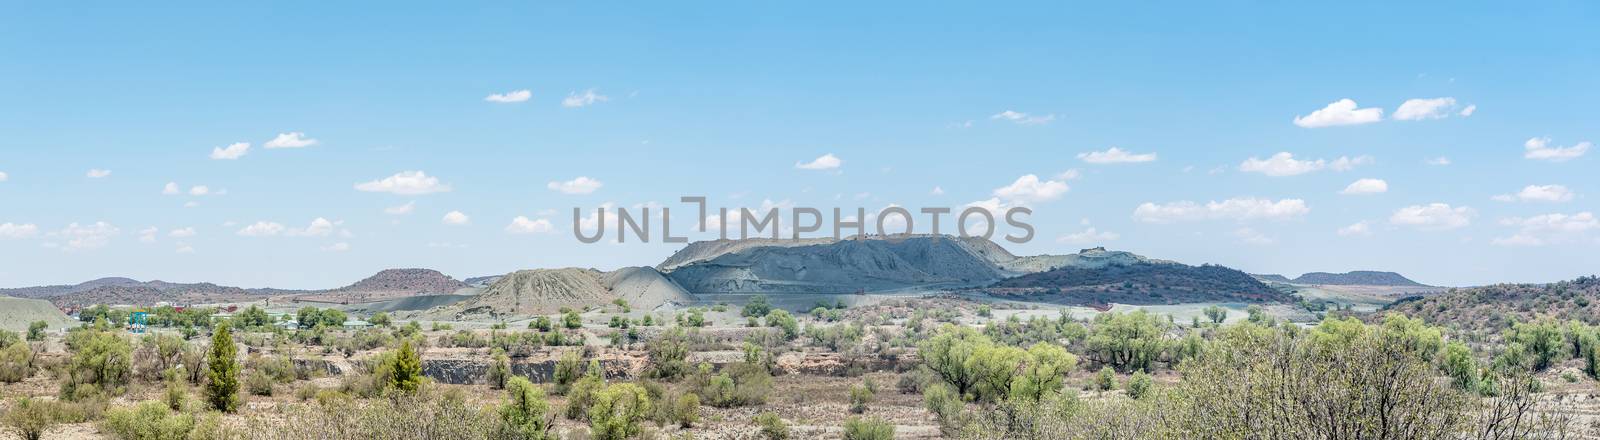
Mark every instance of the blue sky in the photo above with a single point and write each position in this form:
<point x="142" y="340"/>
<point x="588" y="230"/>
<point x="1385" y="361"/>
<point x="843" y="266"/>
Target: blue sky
<point x="726" y="99"/>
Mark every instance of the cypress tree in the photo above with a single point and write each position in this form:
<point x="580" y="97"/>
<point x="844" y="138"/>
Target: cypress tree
<point x="222" y="386"/>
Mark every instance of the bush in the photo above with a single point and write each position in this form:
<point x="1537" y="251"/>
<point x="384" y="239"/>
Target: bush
<point x="31" y="418"/>
<point x="946" y="407"/>
<point x="757" y="307"/>
<point x="772" y="426"/>
<point x="406" y="374"/>
<point x="36" y="330"/>
<point x="860" y="396"/>
<point x="525" y="415"/>
<point x="874" y="428"/>
<point x="686" y="410"/>
<point x="222" y="372"/>
<point x="740" y="384"/>
<point x="581" y="396"/>
<point x="785" y="322"/>
<point x="499" y="370"/>
<point x="985" y="312"/>
<point x="148" y="421"/>
<point x="16" y="363"/>
<point x="100" y="358"/>
<point x="668" y="353"/>
<point x="618" y="411"/>
<point x="568" y="370"/>
<point x="176" y="395"/>
<point x="1138" y="385"/>
<point x="258" y="383"/>
<point x="572" y="321"/>
<point x="1106" y="379"/>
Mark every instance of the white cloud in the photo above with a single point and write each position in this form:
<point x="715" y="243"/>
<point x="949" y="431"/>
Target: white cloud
<point x="580" y="185"/>
<point x="319" y="227"/>
<point x="1020" y="118"/>
<point x="184" y="248"/>
<point x="1548" y="228"/>
<point x="293" y="139"/>
<point x="262" y="229"/>
<point x="825" y="162"/>
<point x="1281" y="164"/>
<point x="1357" y="229"/>
<point x="455" y="218"/>
<point x="336" y="247"/>
<point x="1088" y="236"/>
<point x="14" y="231"/>
<point x="937" y="191"/>
<point x="1029" y="188"/>
<point x="98" y="173"/>
<point x="1366" y="186"/>
<point x="1433" y="216"/>
<point x="405" y="183"/>
<point x="230" y="152"/>
<point x="170" y="189"/>
<point x="1539" y="149"/>
<point x="1341" y="112"/>
<point x="199" y="190"/>
<point x="1432" y="108"/>
<point x="1238" y="209"/>
<point x="509" y="97"/>
<point x="1437" y="161"/>
<point x="1071" y="174"/>
<point x="4" y="176"/>
<point x="1345" y="163"/>
<point x="1251" y="236"/>
<point x="1471" y="108"/>
<point x="191" y="204"/>
<point x="90" y="236"/>
<point x="148" y="235"/>
<point x="524" y="225"/>
<point x="588" y="97"/>
<point x="182" y="232"/>
<point x="1538" y="193"/>
<point x="1115" y="155"/>
<point x="401" y="209"/>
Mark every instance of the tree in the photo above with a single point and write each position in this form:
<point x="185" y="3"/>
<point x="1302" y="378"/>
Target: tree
<point x="499" y="370"/>
<point x="31" y="418"/>
<point x="526" y="413"/>
<point x="101" y="358"/>
<point x="1127" y="342"/>
<point x="222" y="372"/>
<point x="36" y="330"/>
<point x="1216" y="314"/>
<point x="308" y="317"/>
<point x="572" y="320"/>
<point x="860" y="397"/>
<point x="784" y="321"/>
<point x="757" y="307"/>
<point x="1543" y="340"/>
<point x="406" y="376"/>
<point x="948" y="352"/>
<point x="1460" y="366"/>
<point x="668" y="354"/>
<point x="380" y="319"/>
<point x="617" y="412"/>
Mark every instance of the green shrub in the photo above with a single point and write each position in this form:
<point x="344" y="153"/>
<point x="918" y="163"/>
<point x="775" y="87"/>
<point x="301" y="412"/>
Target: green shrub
<point x="946" y="407"/>
<point x="618" y="411"/>
<point x="572" y="321"/>
<point x="785" y="322"/>
<point x="16" y="363"/>
<point x="581" y="396"/>
<point x="101" y="359"/>
<point x="176" y="395"/>
<point x="36" y="330"/>
<point x="740" y="384"/>
<point x="1139" y="385"/>
<point x="1106" y="379"/>
<point x="856" y="428"/>
<point x="985" y="312"/>
<point x="222" y="372"/>
<point x="686" y="410"/>
<point x="772" y="426"/>
<point x="568" y="370"/>
<point x="258" y="383"/>
<point x="32" y="418"/>
<point x="757" y="307"/>
<point x="406" y="374"/>
<point x="668" y="354"/>
<point x="525" y="415"/>
<point x="860" y="396"/>
<point x="148" y="421"/>
<point x="499" y="370"/>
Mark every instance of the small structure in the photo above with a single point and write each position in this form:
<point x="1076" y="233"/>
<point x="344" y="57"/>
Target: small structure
<point x="356" y="324"/>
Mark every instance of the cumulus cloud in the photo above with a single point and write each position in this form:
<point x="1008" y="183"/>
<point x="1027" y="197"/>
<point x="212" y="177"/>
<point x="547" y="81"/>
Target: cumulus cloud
<point x="182" y="232"/>
<point x="14" y="231"/>
<point x="1433" y="216"/>
<point x="1366" y="186"/>
<point x="1238" y="209"/>
<point x="170" y="189"/>
<point x="509" y="97"/>
<point x="1021" y="118"/>
<point x="293" y="139"/>
<point x="1346" y="163"/>
<point x="1431" y="108"/>
<point x="1115" y="155"/>
<point x="524" y="225"/>
<point x="1538" y="193"/>
<point x="89" y="236"/>
<point x="824" y="162"/>
<point x="1284" y="164"/>
<point x="148" y="235"/>
<point x="588" y="97"/>
<point x="1341" y="112"/>
<point x="937" y="191"/>
<point x="455" y="218"/>
<point x="580" y="185"/>
<point x="1357" y="229"/>
<point x="401" y="209"/>
<point x="319" y="227"/>
<point x="1088" y="236"/>
<point x="199" y="190"/>
<point x="1471" y="108"/>
<point x="405" y="183"/>
<point x="1548" y="229"/>
<point x="232" y="151"/>
<point x="98" y="173"/>
<point x="1029" y="188"/>
<point x="1539" y="149"/>
<point x="4" y="176"/>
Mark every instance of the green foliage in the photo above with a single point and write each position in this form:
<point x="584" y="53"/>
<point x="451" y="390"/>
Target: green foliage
<point x="572" y="320"/>
<point x="1460" y="366"/>
<point x="16" y="362"/>
<point x="1216" y="314"/>
<point x="757" y="307"/>
<point x="740" y="384"/>
<point x="406" y="376"/>
<point x="1105" y="379"/>
<point x="380" y="319"/>
<point x="1138" y="385"/>
<point x="1543" y="341"/>
<point x="148" y="421"/>
<point x="984" y="311"/>
<point x="697" y="318"/>
<point x="860" y="397"/>
<point x="772" y="427"/>
<point x="618" y="411"/>
<point x="837" y="337"/>
<point x="946" y="406"/>
<point x="581" y="396"/>
<point x="1589" y="351"/>
<point x="526" y="414"/>
<point x="782" y="320"/>
<point x="36" y="330"/>
<point x="311" y="317"/>
<point x="258" y="383"/>
<point x="499" y="370"/>
<point x="856" y="428"/>
<point x="32" y="418"/>
<point x="253" y="317"/>
<point x="568" y="370"/>
<point x="668" y="354"/>
<point x="101" y="359"/>
<point x="222" y="371"/>
<point x="540" y="323"/>
<point x="686" y="410"/>
<point x="1127" y="342"/>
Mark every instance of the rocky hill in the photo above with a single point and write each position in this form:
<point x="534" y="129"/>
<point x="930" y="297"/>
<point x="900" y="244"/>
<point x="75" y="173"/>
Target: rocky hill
<point x="1493" y="308"/>
<point x="709" y="249"/>
<point x="877" y="263"/>
<point x="63" y="289"/>
<point x="533" y="292"/>
<point x="17" y="313"/>
<point x="1357" y="278"/>
<point x="1091" y="258"/>
<point x="1272" y="278"/>
<point x="395" y="283"/>
<point x="1141" y="282"/>
<point x="149" y="293"/>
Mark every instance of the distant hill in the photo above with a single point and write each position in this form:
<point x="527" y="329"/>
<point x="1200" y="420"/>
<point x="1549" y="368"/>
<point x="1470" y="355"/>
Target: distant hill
<point x="63" y="289"/>
<point x="151" y="292"/>
<point x="395" y="283"/>
<point x="1272" y="278"/>
<point x="533" y="292"/>
<point x="873" y="263"/>
<point x="1495" y="307"/>
<point x="708" y="249"/>
<point x="1360" y="277"/>
<point x="17" y="313"/>
<point x="1141" y="282"/>
<point x="385" y="285"/>
<point x="1085" y="259"/>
